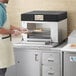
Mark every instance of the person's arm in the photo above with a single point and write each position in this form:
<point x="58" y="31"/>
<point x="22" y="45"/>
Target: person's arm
<point x="6" y="31"/>
<point x="13" y="30"/>
<point x="21" y="29"/>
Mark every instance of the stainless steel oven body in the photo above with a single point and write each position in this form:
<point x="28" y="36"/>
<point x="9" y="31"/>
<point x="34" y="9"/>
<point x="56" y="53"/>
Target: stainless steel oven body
<point x="45" y="26"/>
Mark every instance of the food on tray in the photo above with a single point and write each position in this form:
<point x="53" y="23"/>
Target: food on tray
<point x="38" y="30"/>
<point x="73" y="45"/>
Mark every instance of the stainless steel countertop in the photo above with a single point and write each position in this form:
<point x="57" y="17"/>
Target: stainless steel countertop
<point x="37" y="46"/>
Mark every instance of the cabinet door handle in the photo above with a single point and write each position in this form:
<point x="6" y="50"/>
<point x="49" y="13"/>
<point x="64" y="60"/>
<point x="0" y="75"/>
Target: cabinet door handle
<point x="18" y="61"/>
<point x="51" y="60"/>
<point x="36" y="57"/>
<point x="50" y="73"/>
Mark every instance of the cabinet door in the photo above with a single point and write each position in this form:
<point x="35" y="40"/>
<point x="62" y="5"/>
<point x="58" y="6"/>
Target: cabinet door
<point x="28" y="63"/>
<point x="51" y="64"/>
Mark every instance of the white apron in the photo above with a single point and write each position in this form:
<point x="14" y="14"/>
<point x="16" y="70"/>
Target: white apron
<point x="6" y="50"/>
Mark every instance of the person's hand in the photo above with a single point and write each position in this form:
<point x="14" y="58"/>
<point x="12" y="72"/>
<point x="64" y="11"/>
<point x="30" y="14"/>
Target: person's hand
<point x="24" y="30"/>
<point x="16" y="33"/>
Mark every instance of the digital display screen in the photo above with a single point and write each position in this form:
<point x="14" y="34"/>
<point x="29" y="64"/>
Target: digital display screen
<point x="39" y="17"/>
